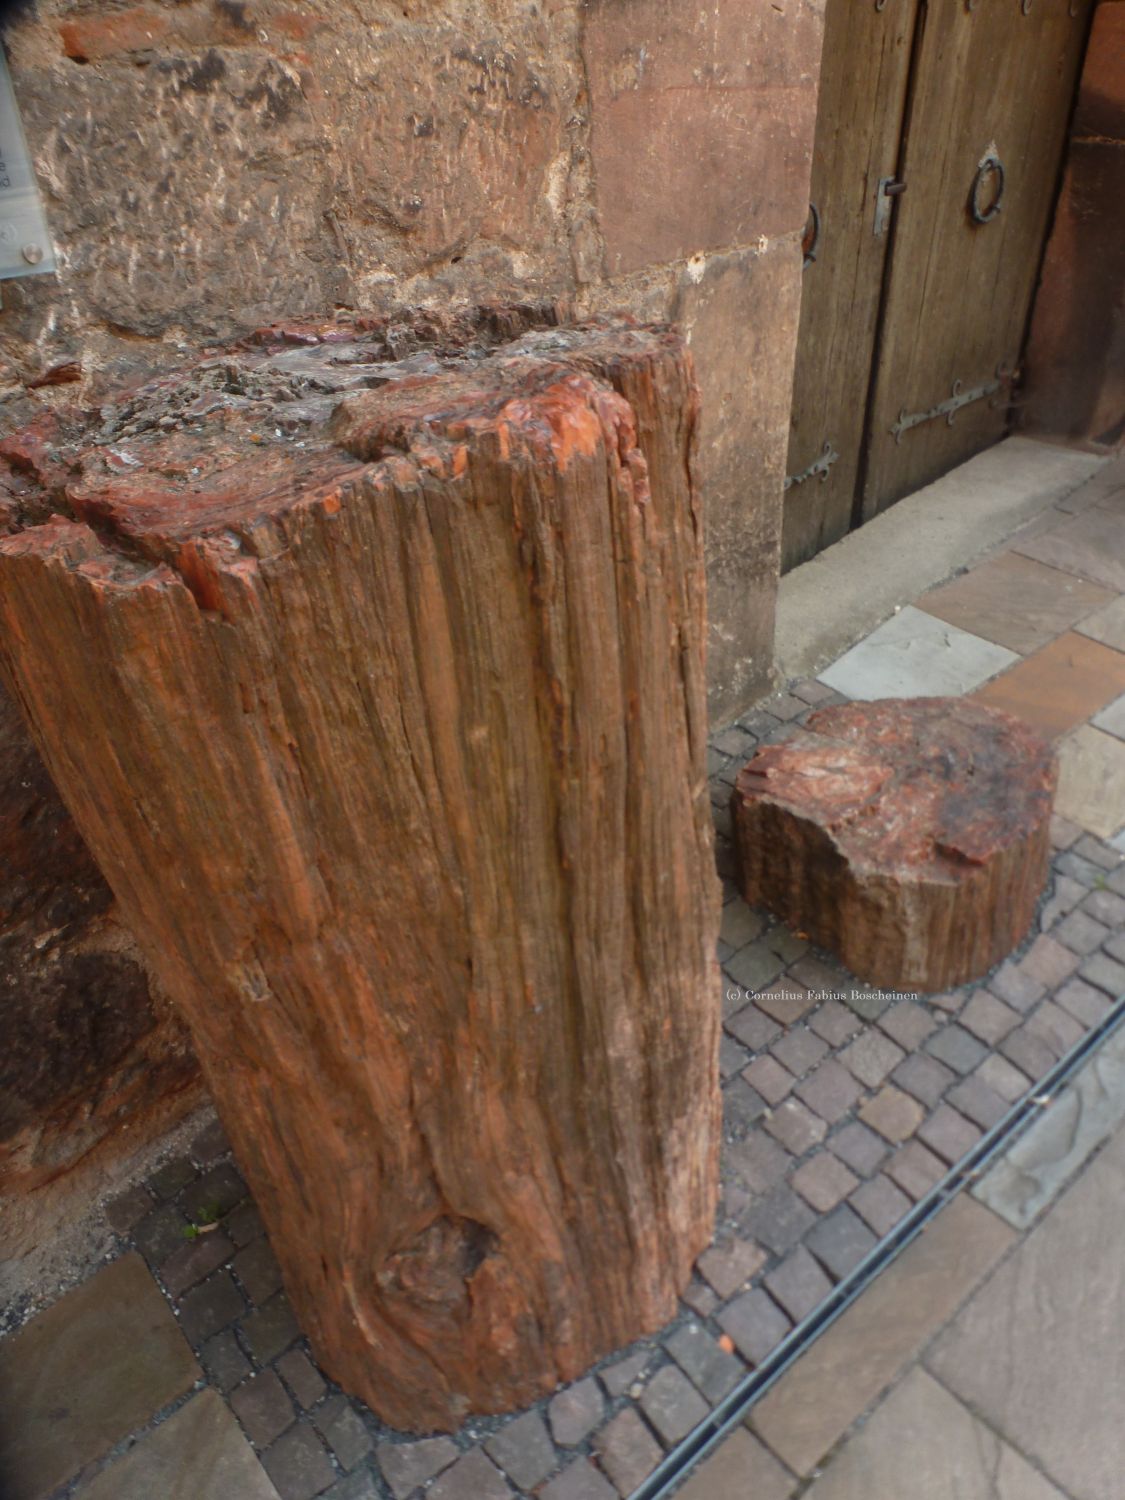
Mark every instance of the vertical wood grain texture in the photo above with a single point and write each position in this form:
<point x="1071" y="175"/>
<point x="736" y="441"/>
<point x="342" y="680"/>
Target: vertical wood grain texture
<point x="864" y="73"/>
<point x="959" y="293"/>
<point x="392" y="750"/>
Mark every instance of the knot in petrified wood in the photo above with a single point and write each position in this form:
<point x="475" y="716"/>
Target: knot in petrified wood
<point x="909" y="836"/>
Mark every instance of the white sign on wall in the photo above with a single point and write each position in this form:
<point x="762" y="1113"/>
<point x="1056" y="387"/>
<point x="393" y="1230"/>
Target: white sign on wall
<point x="25" y="243"/>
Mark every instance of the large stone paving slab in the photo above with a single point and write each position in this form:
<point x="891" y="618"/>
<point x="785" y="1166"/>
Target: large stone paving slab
<point x="1043" y="1160"/>
<point x="740" y="1469"/>
<point x="815" y="1403"/>
<point x="197" y="1454"/>
<point x="915" y="655"/>
<point x="84" y="1374"/>
<point x="924" y="1445"/>
<point x="1061" y="685"/>
<point x="1039" y="1352"/>
<point x="1015" y="601"/>
<point x="1107" y="625"/>
<point x="1092" y="781"/>
<point x="1091" y="544"/>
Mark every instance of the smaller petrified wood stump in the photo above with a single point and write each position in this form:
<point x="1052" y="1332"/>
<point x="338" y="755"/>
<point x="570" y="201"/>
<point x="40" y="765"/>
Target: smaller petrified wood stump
<point x="908" y="836"/>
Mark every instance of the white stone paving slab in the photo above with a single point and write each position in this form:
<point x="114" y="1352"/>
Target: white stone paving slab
<point x="1038" y="1353"/>
<point x="923" y="1444"/>
<point x="914" y="655"/>
<point x="1085" y="1113"/>
<point x="1112" y="718"/>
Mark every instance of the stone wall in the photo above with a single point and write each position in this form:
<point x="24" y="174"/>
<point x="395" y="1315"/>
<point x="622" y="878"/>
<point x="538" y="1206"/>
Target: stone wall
<point x="1076" y="354"/>
<point x="214" y="165"/>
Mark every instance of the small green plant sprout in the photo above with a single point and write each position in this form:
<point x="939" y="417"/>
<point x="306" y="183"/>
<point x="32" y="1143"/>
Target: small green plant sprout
<point x="206" y="1219"/>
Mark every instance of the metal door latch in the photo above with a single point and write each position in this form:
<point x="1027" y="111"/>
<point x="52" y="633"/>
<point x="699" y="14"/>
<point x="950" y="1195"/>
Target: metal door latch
<point x="989" y="166"/>
<point x="888" y="190"/>
<point x="810" y="240"/>
<point x="817" y="469"/>
<point x="953" y="403"/>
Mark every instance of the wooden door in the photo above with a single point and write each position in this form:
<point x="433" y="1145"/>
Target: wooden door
<point x="914" y="311"/>
<point x="863" y="85"/>
<point x="990" y="101"/>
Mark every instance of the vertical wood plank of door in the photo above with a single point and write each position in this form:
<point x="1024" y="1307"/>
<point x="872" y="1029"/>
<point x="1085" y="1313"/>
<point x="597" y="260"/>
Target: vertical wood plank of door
<point x="859" y="122"/>
<point x="994" y="79"/>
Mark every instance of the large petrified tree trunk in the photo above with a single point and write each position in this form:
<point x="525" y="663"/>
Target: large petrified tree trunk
<point x="385" y="722"/>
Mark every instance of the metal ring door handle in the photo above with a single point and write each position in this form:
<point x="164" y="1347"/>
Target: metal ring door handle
<point x="989" y="165"/>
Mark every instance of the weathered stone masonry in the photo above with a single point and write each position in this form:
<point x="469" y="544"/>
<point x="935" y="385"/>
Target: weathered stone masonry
<point x="209" y="167"/>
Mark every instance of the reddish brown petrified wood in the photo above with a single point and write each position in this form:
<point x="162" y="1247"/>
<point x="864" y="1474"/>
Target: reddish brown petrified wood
<point x="909" y="836"/>
<point x="372" y="673"/>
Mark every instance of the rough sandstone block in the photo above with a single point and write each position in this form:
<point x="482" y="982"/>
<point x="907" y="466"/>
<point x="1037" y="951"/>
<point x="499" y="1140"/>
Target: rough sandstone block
<point x="907" y="836"/>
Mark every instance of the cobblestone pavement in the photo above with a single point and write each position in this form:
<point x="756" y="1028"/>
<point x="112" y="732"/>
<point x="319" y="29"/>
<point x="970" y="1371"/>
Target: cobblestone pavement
<point x="985" y="1362"/>
<point x="842" y="1105"/>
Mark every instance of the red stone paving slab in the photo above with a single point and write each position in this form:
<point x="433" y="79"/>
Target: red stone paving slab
<point x="579" y="1481"/>
<point x="1059" y="686"/>
<point x="1015" y="601"/>
<point x="1106" y="973"/>
<point x="908" y="1024"/>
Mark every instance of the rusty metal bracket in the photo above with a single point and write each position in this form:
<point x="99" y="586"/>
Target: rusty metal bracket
<point x="888" y="190"/>
<point x="818" y="469"/>
<point x="953" y="403"/>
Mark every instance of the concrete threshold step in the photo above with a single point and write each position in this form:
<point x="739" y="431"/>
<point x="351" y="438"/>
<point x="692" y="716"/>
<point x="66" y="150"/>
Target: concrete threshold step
<point x="829" y="603"/>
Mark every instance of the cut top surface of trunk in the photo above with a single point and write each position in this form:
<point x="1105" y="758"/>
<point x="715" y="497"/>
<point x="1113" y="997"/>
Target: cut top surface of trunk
<point x="285" y="419"/>
<point x="920" y="784"/>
